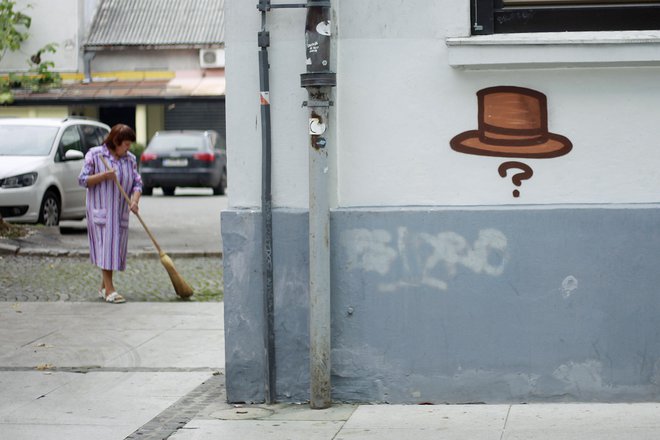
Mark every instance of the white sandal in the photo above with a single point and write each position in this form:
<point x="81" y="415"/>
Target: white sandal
<point x="102" y="293"/>
<point x="115" y="298"/>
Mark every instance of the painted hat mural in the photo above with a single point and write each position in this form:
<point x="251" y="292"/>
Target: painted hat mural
<point x="513" y="122"/>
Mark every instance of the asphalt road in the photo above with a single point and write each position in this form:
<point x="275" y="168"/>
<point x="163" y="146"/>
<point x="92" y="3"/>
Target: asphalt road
<point x="188" y="222"/>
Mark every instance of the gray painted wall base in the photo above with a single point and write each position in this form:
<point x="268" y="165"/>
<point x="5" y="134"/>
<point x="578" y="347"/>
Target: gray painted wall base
<point x="455" y="305"/>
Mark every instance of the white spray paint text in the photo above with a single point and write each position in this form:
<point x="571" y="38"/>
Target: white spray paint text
<point x="422" y="254"/>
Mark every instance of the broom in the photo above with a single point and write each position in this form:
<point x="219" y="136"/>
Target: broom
<point x="180" y="286"/>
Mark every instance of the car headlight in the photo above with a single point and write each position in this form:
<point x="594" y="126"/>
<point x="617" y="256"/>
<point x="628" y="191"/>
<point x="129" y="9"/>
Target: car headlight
<point x="19" y="181"/>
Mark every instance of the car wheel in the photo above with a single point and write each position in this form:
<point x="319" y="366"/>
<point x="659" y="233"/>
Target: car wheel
<point x="168" y="190"/>
<point x="147" y="191"/>
<point x="222" y="185"/>
<point x="49" y="214"/>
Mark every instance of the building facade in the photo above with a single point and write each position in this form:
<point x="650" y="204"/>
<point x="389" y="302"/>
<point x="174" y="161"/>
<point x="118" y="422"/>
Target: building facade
<point x="494" y="195"/>
<point x="155" y="65"/>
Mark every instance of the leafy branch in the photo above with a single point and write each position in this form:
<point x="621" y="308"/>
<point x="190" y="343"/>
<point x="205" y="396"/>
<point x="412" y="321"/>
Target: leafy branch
<point x="14" y="26"/>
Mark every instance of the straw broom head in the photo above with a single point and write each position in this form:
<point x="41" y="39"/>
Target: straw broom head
<point x="180" y="286"/>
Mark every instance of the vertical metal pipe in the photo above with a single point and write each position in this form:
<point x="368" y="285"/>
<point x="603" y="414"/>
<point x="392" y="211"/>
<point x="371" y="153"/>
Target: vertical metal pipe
<point x="318" y="81"/>
<point x="88" y="56"/>
<point x="266" y="206"/>
<point x="319" y="267"/>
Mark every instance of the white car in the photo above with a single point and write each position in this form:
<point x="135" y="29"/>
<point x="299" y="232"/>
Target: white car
<point x="40" y="160"/>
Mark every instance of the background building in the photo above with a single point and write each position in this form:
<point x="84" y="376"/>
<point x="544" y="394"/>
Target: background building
<point x="494" y="200"/>
<point x="151" y="64"/>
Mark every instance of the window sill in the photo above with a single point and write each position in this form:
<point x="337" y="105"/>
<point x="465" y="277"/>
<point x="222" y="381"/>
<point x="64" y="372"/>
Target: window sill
<point x="560" y="49"/>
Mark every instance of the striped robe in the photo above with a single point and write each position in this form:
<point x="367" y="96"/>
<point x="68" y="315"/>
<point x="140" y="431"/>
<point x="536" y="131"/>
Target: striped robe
<point x="107" y="210"/>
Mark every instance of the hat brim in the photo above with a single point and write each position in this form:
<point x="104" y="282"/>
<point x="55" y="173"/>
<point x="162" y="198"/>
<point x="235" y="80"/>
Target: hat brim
<point x="468" y="142"/>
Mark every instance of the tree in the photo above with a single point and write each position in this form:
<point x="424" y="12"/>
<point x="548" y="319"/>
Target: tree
<point x="13" y="32"/>
<point x="14" y="27"/>
<point x="10" y="35"/>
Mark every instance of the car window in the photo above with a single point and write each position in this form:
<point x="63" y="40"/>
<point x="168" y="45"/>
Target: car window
<point x="101" y="133"/>
<point x="177" y="142"/>
<point x="91" y="136"/>
<point x="26" y="140"/>
<point x="70" y="141"/>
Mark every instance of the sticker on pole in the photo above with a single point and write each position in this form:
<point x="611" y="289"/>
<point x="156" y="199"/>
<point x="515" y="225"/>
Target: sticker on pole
<point x="323" y="28"/>
<point x="265" y="98"/>
<point x="316" y="127"/>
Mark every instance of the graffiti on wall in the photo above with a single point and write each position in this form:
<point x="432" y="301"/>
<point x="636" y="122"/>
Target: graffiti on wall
<point x="512" y="122"/>
<point x="420" y="259"/>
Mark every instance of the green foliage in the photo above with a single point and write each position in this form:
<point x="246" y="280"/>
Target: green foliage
<point x="14" y="27"/>
<point x="137" y="149"/>
<point x="40" y="76"/>
<point x="6" y="97"/>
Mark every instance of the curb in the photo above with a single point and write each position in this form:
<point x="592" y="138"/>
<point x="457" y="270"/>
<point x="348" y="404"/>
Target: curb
<point x="8" y="249"/>
<point x="39" y="252"/>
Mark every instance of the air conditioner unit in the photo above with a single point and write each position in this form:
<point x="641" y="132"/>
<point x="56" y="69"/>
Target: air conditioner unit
<point x="210" y="58"/>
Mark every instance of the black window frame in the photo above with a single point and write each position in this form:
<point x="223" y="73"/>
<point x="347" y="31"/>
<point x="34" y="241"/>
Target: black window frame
<point x="493" y="17"/>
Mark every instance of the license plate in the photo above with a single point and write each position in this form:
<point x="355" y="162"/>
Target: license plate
<point x="175" y="162"/>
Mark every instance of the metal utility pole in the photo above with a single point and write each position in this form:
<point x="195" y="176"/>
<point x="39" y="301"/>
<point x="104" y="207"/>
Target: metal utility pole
<point x="263" y="39"/>
<point x="318" y="81"/>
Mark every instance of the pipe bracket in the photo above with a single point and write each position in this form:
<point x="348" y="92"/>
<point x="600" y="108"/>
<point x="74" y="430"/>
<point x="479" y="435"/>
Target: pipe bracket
<point x="265" y="5"/>
<point x="316" y="104"/>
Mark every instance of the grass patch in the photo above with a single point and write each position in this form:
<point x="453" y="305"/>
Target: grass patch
<point x="208" y="295"/>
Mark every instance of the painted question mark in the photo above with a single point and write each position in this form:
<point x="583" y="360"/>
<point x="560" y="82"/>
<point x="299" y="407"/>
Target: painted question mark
<point x="516" y="178"/>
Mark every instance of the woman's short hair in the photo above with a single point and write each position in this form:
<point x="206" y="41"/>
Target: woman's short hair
<point x="118" y="134"/>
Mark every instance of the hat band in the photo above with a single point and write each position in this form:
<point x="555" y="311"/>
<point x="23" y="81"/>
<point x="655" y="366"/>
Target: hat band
<point x="514" y="137"/>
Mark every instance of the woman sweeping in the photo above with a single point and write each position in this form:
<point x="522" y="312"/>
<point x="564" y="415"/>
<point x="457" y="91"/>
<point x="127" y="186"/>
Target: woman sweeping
<point x="107" y="210"/>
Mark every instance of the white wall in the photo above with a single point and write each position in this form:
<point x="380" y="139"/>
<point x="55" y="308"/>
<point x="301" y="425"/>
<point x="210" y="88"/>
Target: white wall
<point x="289" y="119"/>
<point x="135" y="59"/>
<point x="53" y="21"/>
<point x="498" y="282"/>
<point x="399" y="102"/>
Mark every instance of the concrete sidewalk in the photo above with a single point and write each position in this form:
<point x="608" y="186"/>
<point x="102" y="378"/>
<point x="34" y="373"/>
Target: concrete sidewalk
<point x="98" y="371"/>
<point x="104" y="371"/>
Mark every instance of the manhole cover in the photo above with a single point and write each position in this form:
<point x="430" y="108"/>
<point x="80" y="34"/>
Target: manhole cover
<point x="242" y="413"/>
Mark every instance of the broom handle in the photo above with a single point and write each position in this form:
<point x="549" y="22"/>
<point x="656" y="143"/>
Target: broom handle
<point x="128" y="200"/>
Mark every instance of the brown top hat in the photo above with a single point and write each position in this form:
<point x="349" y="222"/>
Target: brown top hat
<point x="513" y="122"/>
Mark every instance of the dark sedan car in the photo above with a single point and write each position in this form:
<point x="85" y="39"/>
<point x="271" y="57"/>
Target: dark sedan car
<point x="186" y="159"/>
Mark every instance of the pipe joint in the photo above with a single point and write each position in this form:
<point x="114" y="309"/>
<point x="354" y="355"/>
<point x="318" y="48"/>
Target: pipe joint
<point x="263" y="5"/>
<point x="263" y="39"/>
<point x="318" y="79"/>
<point x="318" y="3"/>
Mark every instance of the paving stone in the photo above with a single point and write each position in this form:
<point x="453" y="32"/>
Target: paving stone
<point x="180" y="413"/>
<point x="71" y="278"/>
